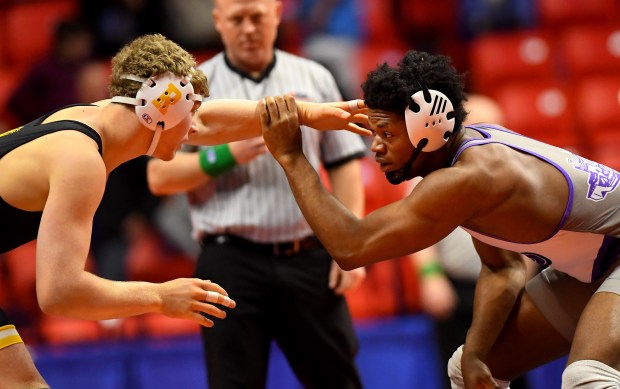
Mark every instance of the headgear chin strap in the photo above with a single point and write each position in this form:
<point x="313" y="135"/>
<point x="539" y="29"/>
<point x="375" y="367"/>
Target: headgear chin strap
<point x="404" y="173"/>
<point x="162" y="102"/>
<point x="429" y="116"/>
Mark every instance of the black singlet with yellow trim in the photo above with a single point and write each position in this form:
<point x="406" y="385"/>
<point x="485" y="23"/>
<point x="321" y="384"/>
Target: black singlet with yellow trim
<point x="19" y="226"/>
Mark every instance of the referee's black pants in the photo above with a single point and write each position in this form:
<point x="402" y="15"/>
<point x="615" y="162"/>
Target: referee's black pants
<point x="281" y="298"/>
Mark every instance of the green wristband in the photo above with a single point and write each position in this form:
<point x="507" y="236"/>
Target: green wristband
<point x="215" y="160"/>
<point x="430" y="269"/>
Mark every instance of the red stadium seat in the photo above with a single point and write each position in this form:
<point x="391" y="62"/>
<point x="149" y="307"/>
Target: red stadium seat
<point x="203" y="55"/>
<point x="378" y="191"/>
<point x="378" y="22"/>
<point x="542" y="111"/>
<point x="29" y="28"/>
<point x="597" y="107"/>
<point x="21" y="289"/>
<point x="4" y="293"/>
<point x="21" y="282"/>
<point x="606" y="147"/>
<point x="590" y="50"/>
<point x="499" y="58"/>
<point x="561" y="13"/>
<point x="391" y="287"/>
<point x="431" y="26"/>
<point x="438" y="17"/>
<point x="369" y="56"/>
<point x="148" y="259"/>
<point x="3" y="40"/>
<point x="597" y="102"/>
<point x="147" y="325"/>
<point x="9" y="78"/>
<point x="157" y="325"/>
<point x="60" y="330"/>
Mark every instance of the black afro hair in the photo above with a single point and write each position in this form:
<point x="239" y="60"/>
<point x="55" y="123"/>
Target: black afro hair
<point x="390" y="88"/>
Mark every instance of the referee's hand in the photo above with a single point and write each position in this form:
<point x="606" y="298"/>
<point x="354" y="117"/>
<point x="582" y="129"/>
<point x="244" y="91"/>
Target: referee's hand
<point x="341" y="281"/>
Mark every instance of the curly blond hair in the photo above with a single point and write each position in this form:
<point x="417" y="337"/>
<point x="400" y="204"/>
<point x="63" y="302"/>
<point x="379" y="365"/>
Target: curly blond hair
<point x="151" y="55"/>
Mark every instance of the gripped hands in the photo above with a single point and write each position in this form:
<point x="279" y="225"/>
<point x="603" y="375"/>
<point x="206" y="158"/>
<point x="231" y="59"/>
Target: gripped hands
<point x="280" y="125"/>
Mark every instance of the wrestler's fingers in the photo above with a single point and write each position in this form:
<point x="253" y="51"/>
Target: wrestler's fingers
<point x="281" y="104"/>
<point x="214" y="293"/>
<point x="201" y="319"/>
<point x="358" y="123"/>
<point x="357" y="105"/>
<point x="361" y="118"/>
<point x="354" y="105"/>
<point x="338" y="113"/>
<point x="263" y="112"/>
<point x="355" y="128"/>
<point x="273" y="102"/>
<point x="209" y="309"/>
<point x="217" y="298"/>
<point x="291" y="104"/>
<point x="213" y="286"/>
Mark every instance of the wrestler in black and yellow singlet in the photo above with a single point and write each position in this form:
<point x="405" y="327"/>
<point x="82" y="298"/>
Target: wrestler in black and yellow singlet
<point x="21" y="226"/>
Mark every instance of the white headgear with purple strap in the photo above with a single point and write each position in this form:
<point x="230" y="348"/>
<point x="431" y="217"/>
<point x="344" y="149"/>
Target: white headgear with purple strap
<point x="430" y="116"/>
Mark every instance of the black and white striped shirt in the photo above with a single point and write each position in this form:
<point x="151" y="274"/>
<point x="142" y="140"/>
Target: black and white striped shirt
<point x="254" y="201"/>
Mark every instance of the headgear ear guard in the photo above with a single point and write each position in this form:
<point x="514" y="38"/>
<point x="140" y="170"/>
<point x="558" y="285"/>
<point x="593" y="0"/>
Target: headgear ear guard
<point x="162" y="102"/>
<point x="429" y="119"/>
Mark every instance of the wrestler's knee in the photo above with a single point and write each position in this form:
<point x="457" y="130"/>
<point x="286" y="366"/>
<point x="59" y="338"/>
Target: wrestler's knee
<point x="590" y="374"/>
<point x="456" y="375"/>
<point x="454" y="369"/>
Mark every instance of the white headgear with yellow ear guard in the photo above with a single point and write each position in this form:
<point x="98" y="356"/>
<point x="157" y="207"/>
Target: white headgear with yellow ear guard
<point x="162" y="102"/>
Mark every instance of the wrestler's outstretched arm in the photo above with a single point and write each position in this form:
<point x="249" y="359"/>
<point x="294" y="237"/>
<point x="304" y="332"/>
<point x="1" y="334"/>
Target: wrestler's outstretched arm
<point x="228" y="120"/>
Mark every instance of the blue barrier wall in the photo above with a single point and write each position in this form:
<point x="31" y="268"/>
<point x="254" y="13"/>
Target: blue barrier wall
<point x="394" y="353"/>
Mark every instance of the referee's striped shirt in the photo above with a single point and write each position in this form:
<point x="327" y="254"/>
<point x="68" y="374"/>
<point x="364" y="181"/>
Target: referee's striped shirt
<point x="254" y="200"/>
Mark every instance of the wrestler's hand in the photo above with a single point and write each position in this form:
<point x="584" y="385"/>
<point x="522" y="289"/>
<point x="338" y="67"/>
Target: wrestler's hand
<point x="189" y="298"/>
<point x="335" y="116"/>
<point x="476" y="374"/>
<point x="280" y="124"/>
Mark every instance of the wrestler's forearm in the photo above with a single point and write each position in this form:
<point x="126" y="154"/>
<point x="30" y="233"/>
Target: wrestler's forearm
<point x="496" y="294"/>
<point x="99" y="299"/>
<point x="225" y="121"/>
<point x="333" y="223"/>
<point x="229" y="120"/>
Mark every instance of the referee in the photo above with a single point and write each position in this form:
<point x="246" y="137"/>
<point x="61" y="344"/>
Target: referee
<point x="255" y="241"/>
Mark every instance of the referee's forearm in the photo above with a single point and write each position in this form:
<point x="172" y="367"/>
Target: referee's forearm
<point x="182" y="174"/>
